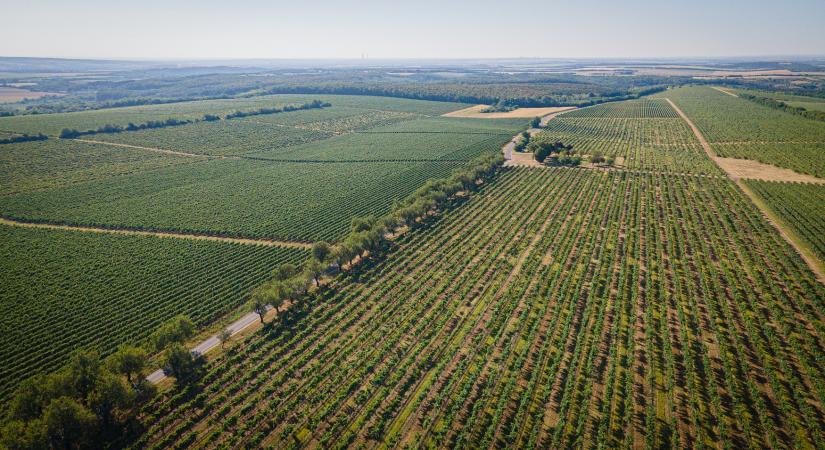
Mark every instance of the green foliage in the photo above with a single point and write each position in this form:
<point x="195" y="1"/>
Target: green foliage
<point x="174" y="331"/>
<point x="106" y="289"/>
<point x="180" y="363"/>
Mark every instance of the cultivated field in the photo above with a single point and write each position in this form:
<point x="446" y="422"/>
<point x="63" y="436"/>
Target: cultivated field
<point x="557" y="307"/>
<point x="297" y="176"/>
<point x="738" y="128"/>
<point x="648" y="134"/>
<point x="62" y="290"/>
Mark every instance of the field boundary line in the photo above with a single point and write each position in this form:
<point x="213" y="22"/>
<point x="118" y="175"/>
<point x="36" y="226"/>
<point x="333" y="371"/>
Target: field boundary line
<point x="787" y="233"/>
<point x="151" y="149"/>
<point x="161" y="234"/>
<point x="724" y="91"/>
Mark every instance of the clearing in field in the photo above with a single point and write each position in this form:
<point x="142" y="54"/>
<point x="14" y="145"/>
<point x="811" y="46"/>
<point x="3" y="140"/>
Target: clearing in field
<point x="474" y="112"/>
<point x="746" y="168"/>
<point x="13" y="95"/>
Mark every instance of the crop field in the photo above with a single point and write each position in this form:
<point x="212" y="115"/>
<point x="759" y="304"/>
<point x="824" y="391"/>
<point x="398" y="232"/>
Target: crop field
<point x="557" y="308"/>
<point x="288" y="201"/>
<point x="52" y="123"/>
<point x="63" y="289"/>
<point x="31" y="166"/>
<point x="801" y="205"/>
<point x="647" y="133"/>
<point x="738" y="128"/>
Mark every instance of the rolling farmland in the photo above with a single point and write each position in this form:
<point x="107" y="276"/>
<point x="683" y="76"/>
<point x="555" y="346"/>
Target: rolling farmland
<point x="648" y="134"/>
<point x="63" y="290"/>
<point x="738" y="128"/>
<point x="294" y="176"/>
<point x="696" y="325"/>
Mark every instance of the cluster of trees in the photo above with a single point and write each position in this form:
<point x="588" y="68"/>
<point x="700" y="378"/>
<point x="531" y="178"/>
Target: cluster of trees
<point x="780" y="105"/>
<point x="71" y="133"/>
<point x="92" y="402"/>
<point x="553" y="152"/>
<point x="315" y="104"/>
<point x="87" y="403"/>
<point x="597" y="157"/>
<point x="524" y="142"/>
<point x="24" y="138"/>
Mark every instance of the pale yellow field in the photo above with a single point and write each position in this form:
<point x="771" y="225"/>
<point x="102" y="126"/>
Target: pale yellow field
<point x="11" y="95"/>
<point x="475" y="112"/>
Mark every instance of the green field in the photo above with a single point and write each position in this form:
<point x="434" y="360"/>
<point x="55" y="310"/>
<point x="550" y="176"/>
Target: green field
<point x="738" y="128"/>
<point x="801" y="206"/>
<point x="64" y="290"/>
<point x="648" y="134"/>
<point x="554" y="308"/>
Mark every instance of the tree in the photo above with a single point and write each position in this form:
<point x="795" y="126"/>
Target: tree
<point x="260" y="300"/>
<point x="110" y="394"/>
<point x="535" y="122"/>
<point x="284" y="271"/>
<point x="541" y="153"/>
<point x="224" y="336"/>
<point x="83" y="372"/>
<point x="179" y="362"/>
<point x="68" y="424"/>
<point x="313" y="268"/>
<point x="128" y="360"/>
<point x="321" y="251"/>
<point x="176" y="330"/>
<point x="596" y="157"/>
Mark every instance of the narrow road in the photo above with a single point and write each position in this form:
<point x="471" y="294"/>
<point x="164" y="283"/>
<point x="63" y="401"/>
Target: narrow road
<point x="163" y="234"/>
<point x="813" y="262"/>
<point x="511" y="146"/>
<point x="213" y="342"/>
<point x="150" y="149"/>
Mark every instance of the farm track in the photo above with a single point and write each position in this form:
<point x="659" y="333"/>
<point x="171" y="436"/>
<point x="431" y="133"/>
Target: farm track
<point x="161" y="234"/>
<point x="814" y="263"/>
<point x="724" y="91"/>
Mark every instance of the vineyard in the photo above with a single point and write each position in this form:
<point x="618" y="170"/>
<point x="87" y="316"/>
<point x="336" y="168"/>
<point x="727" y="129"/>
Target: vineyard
<point x="62" y="290"/>
<point x="738" y="128"/>
<point x="800" y="205"/>
<point x="648" y="134"/>
<point x="555" y="309"/>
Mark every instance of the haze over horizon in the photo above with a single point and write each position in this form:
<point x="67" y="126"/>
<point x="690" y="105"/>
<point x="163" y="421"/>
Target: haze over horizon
<point x="429" y="29"/>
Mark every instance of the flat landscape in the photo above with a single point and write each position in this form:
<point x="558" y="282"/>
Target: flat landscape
<point x="486" y="254"/>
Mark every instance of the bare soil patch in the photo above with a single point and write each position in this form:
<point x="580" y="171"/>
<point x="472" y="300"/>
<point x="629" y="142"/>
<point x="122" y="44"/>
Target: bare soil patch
<point x="12" y="94"/>
<point x="474" y="112"/>
<point x="746" y="168"/>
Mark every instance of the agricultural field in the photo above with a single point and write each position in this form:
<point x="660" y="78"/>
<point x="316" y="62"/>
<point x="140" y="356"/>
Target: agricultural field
<point x="738" y="128"/>
<point x="52" y="124"/>
<point x="556" y="308"/>
<point x="64" y="290"/>
<point x="647" y="133"/>
<point x="38" y="165"/>
<point x="244" y="198"/>
<point x="800" y="205"/>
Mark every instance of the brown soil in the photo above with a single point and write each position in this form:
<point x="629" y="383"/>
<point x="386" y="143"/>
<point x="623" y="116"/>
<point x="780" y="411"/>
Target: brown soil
<point x="475" y="112"/>
<point x="746" y="168"/>
<point x="12" y="95"/>
<point x="163" y="234"/>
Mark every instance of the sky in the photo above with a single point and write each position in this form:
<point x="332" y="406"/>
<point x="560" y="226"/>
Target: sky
<point x="242" y="29"/>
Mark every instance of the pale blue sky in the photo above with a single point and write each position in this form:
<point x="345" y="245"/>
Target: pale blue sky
<point x="410" y="29"/>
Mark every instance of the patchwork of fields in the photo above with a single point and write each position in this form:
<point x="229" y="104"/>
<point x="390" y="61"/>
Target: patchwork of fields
<point x="738" y="128"/>
<point x="293" y="176"/>
<point x="648" y="134"/>
<point x="556" y="307"/>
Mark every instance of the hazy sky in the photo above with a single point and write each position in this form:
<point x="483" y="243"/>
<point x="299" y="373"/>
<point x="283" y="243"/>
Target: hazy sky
<point x="410" y="29"/>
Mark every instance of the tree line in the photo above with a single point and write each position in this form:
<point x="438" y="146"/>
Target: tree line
<point x="92" y="402"/>
<point x="782" y="106"/>
<point x="71" y="133"/>
<point x="24" y="138"/>
<point x="368" y="237"/>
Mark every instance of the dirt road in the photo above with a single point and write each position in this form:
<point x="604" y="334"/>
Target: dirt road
<point x="816" y="266"/>
<point x="162" y="234"/>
